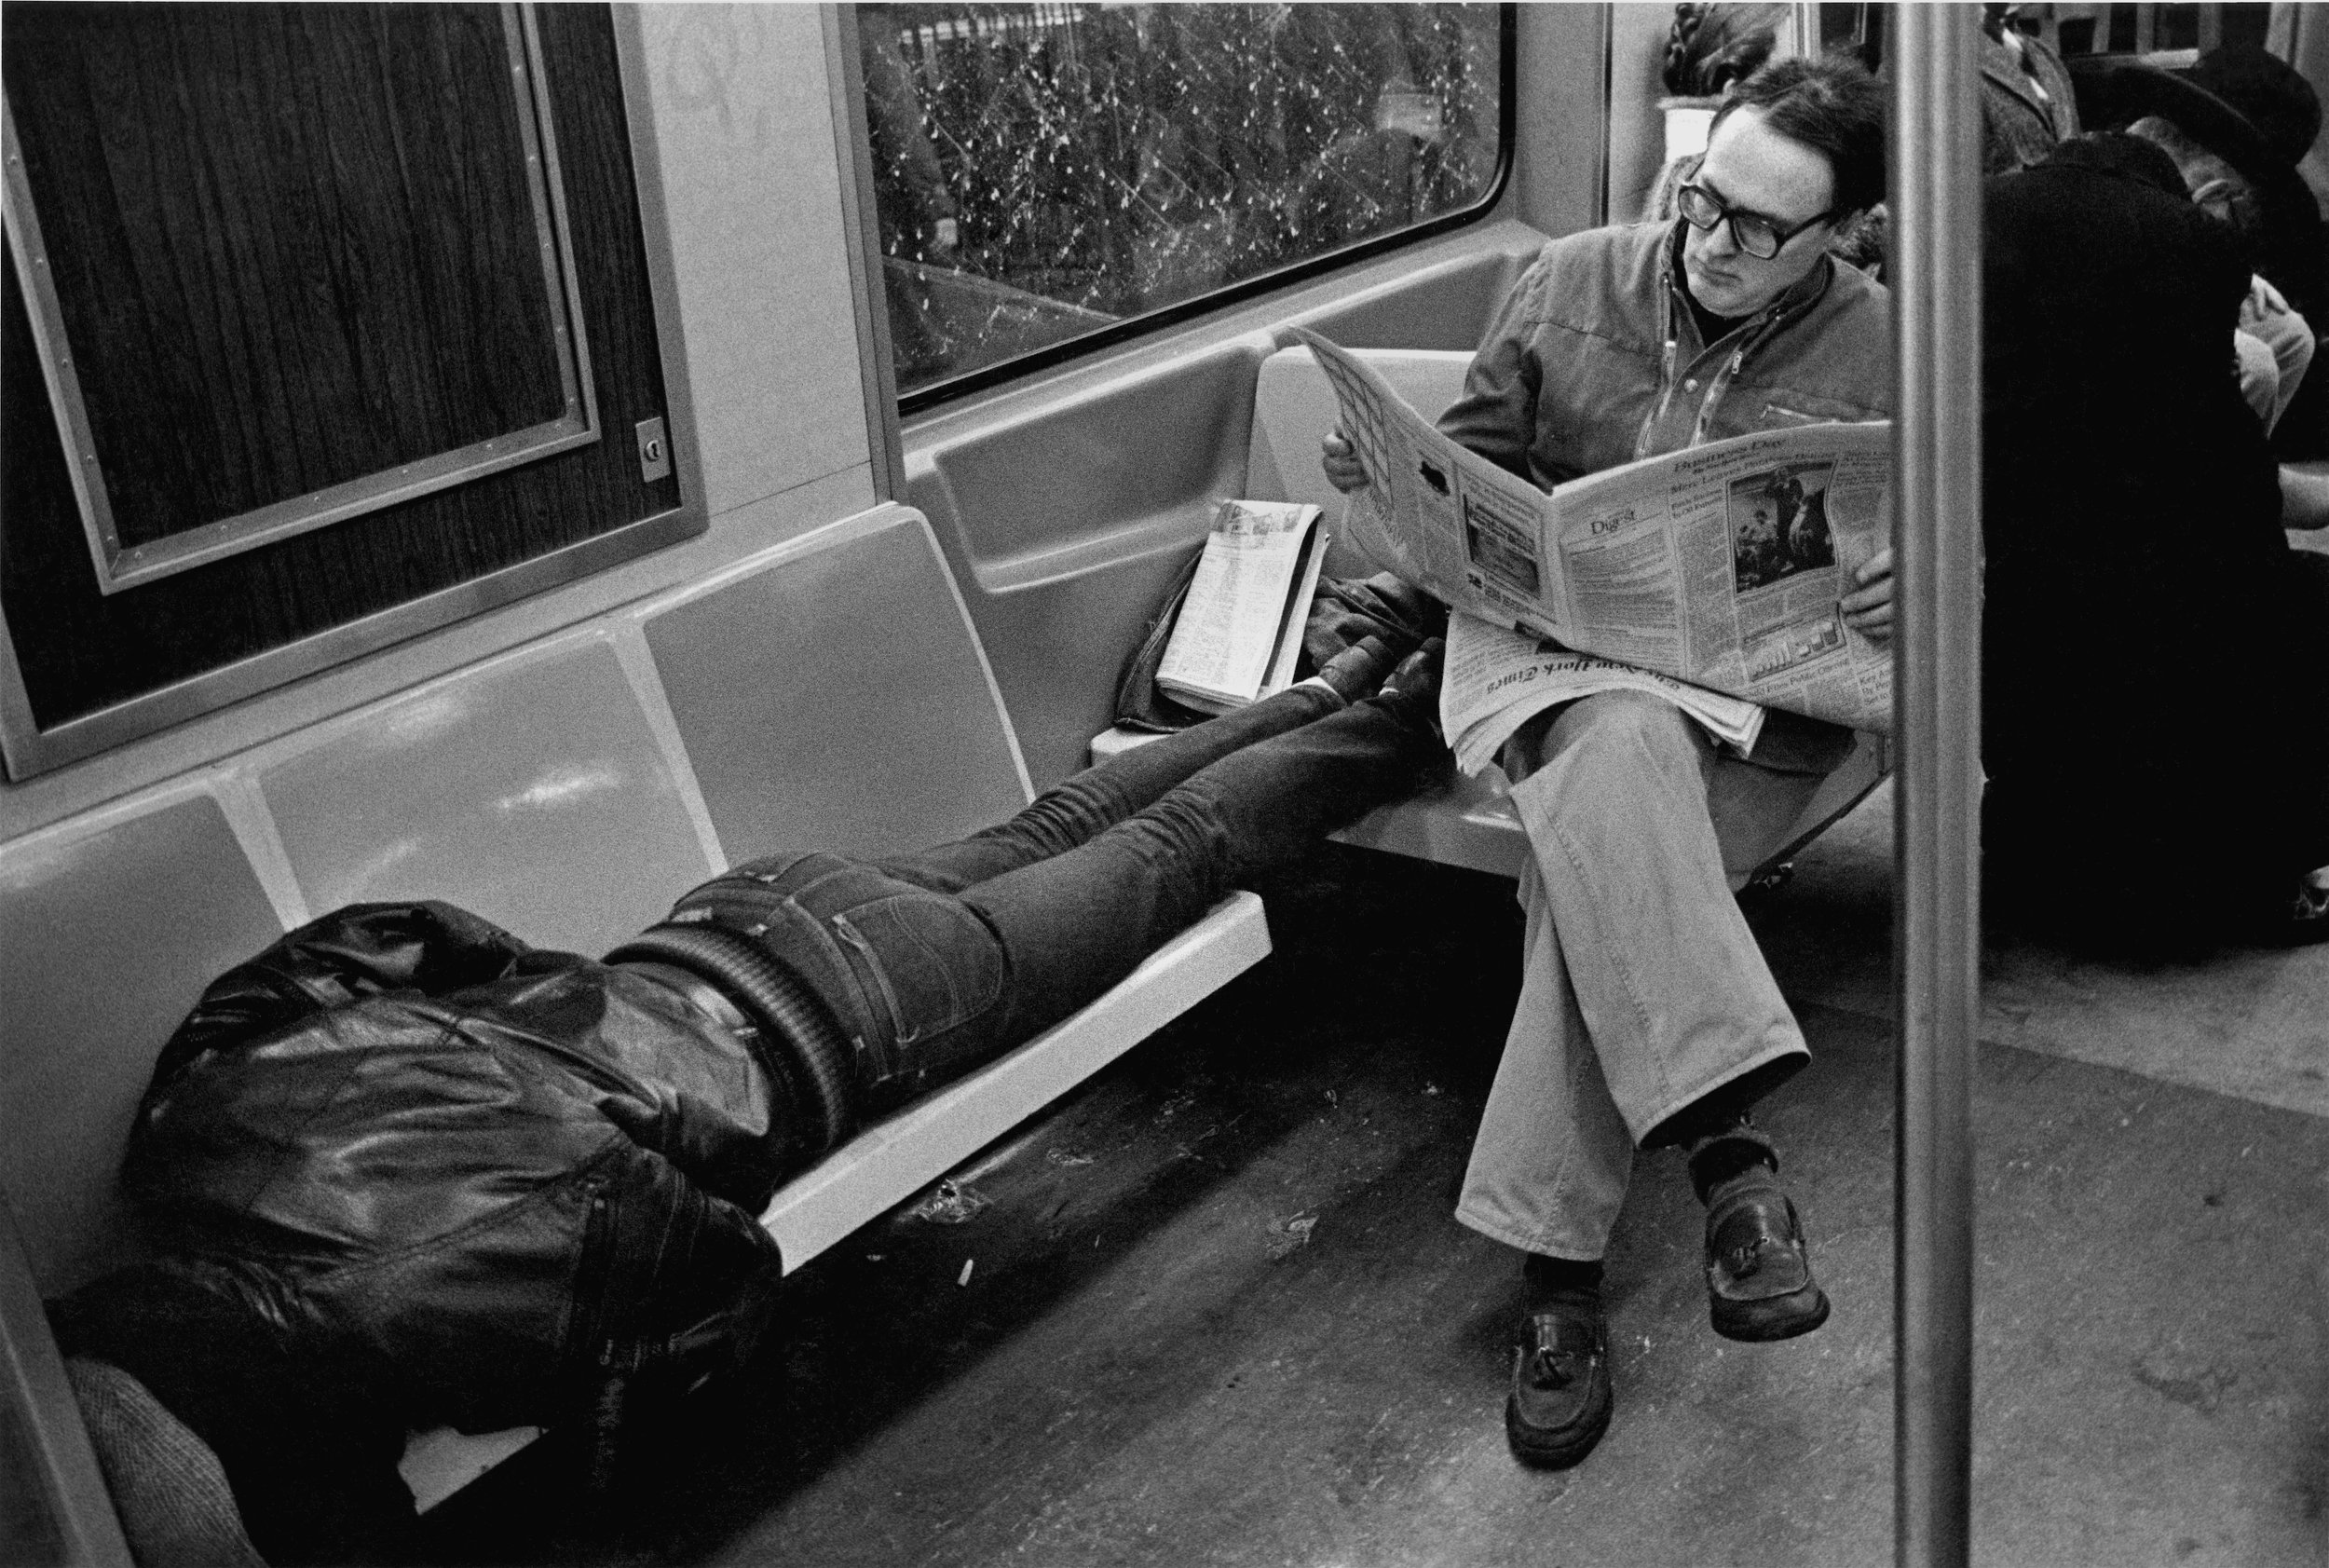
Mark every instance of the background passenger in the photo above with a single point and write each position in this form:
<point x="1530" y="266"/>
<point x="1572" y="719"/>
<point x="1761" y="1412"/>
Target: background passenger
<point x="2223" y="104"/>
<point x="2156" y="658"/>
<point x="2273" y="98"/>
<point x="2028" y="102"/>
<point x="1647" y="1016"/>
<point x="402" y="1171"/>
<point x="2274" y="343"/>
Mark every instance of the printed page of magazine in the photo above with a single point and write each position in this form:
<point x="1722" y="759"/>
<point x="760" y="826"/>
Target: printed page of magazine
<point x="1719" y="566"/>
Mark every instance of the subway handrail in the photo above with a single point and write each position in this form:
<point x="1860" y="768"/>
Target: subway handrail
<point x="1936" y="257"/>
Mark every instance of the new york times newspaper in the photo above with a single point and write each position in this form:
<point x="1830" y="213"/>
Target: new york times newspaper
<point x="1710" y="576"/>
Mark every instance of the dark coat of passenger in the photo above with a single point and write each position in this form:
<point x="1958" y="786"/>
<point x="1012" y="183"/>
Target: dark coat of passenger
<point x="405" y="1172"/>
<point x="2153" y="675"/>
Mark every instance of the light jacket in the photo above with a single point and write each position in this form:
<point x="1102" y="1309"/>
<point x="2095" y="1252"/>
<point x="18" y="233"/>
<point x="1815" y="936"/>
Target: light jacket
<point x="1594" y="360"/>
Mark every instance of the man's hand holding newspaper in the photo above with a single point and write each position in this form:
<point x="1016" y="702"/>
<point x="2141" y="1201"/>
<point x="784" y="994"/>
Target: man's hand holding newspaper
<point x="1723" y="576"/>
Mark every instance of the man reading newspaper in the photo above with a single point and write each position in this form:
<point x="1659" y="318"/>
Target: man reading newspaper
<point x="1647" y="1016"/>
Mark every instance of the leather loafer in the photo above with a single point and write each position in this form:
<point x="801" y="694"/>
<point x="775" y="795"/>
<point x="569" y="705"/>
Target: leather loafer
<point x="1759" y="1283"/>
<point x="1561" y="1398"/>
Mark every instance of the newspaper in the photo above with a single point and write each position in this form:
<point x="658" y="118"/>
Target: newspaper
<point x="1496" y="680"/>
<point x="1718" y="566"/>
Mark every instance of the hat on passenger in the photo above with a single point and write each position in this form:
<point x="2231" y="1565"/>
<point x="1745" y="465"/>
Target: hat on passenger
<point x="2272" y="95"/>
<point x="2114" y="93"/>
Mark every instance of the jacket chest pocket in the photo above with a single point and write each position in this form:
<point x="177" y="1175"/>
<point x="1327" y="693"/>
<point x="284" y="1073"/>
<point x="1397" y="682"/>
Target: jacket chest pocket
<point x="922" y="959"/>
<point x="1752" y="409"/>
<point x="1595" y="396"/>
<point x="1777" y="415"/>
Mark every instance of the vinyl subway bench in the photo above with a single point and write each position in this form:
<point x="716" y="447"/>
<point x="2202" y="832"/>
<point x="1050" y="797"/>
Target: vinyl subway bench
<point x="798" y="696"/>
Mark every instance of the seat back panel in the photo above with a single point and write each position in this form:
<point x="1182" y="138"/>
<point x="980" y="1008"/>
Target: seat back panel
<point x="107" y="939"/>
<point x="838" y="699"/>
<point x="532" y="792"/>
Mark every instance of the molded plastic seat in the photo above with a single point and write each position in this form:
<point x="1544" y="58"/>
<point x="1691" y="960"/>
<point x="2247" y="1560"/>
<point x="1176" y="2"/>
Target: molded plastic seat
<point x="532" y="790"/>
<point x="107" y="938"/>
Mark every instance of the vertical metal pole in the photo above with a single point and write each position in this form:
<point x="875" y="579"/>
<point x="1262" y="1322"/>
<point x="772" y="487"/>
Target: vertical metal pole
<point x="1936" y="261"/>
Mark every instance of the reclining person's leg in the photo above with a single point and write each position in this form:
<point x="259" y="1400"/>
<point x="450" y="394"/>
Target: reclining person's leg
<point x="924" y="983"/>
<point x="1091" y="802"/>
<point x="1103" y="795"/>
<point x="1075" y="924"/>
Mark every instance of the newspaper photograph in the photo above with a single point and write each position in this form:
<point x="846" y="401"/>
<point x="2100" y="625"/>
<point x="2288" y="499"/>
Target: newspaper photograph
<point x="1718" y="566"/>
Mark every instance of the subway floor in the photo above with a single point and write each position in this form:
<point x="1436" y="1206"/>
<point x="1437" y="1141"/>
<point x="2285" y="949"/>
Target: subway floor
<point x="1212" y="1308"/>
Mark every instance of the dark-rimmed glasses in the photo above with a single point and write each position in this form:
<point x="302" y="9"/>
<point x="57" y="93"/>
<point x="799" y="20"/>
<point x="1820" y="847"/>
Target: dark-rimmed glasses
<point x="1752" y="232"/>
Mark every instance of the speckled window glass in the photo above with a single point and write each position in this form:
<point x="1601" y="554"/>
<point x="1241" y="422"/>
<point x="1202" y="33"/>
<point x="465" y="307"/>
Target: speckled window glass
<point x="1045" y="172"/>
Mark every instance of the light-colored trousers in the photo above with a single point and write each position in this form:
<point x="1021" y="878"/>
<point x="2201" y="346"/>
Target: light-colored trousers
<point x="1642" y="988"/>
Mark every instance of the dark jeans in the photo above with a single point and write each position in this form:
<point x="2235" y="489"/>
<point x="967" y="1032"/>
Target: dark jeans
<point x="933" y="962"/>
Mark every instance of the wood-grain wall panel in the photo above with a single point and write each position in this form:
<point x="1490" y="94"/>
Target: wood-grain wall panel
<point x="79" y="650"/>
<point x="293" y="246"/>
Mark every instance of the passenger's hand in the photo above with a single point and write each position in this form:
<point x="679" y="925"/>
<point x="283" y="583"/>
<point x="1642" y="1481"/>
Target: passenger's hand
<point x="1868" y="608"/>
<point x="1340" y="458"/>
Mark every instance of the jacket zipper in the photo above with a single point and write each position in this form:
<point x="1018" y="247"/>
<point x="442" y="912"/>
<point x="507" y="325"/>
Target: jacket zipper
<point x="1669" y="366"/>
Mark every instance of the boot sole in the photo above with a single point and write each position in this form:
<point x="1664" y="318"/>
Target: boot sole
<point x="1778" y="1318"/>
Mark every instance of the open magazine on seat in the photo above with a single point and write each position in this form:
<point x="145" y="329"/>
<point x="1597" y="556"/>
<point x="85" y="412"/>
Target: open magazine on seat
<point x="1709" y="576"/>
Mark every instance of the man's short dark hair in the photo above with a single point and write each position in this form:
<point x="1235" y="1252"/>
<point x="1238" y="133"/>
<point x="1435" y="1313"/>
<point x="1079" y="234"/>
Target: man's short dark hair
<point x="1834" y="107"/>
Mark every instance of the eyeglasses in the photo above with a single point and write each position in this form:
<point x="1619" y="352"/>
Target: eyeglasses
<point x="1752" y="232"/>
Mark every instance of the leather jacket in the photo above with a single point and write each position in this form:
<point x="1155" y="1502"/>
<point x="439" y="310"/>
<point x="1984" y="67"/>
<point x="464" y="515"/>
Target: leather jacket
<point x="401" y="1152"/>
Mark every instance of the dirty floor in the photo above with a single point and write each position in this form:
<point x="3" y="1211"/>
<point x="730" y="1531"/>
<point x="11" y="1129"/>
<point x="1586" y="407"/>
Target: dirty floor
<point x="1212" y="1309"/>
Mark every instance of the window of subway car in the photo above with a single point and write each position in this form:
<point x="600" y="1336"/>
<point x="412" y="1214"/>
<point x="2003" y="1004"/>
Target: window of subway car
<point x="1049" y="178"/>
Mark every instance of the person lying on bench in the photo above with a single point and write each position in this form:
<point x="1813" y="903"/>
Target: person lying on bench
<point x="401" y="1170"/>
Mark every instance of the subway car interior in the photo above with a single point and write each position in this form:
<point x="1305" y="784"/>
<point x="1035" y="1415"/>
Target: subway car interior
<point x="904" y="355"/>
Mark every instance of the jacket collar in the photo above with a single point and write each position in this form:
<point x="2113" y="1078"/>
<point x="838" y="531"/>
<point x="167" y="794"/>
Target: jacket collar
<point x="1799" y="296"/>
